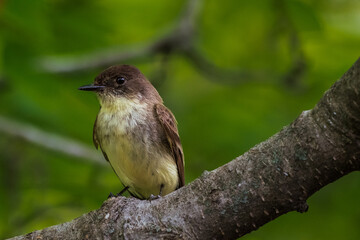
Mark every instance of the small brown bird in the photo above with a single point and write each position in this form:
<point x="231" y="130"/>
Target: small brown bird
<point x="136" y="133"/>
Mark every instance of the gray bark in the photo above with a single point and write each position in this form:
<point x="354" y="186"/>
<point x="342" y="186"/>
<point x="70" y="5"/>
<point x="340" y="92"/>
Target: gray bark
<point x="271" y="179"/>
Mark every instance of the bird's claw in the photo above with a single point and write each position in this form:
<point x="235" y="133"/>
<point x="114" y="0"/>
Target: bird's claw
<point x="111" y="195"/>
<point x="153" y="197"/>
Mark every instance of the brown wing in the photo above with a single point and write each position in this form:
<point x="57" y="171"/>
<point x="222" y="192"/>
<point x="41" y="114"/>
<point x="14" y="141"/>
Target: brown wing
<point x="96" y="140"/>
<point x="95" y="137"/>
<point x="168" y="123"/>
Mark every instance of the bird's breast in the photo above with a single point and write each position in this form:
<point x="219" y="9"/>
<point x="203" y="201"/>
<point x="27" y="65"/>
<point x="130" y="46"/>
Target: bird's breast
<point x="134" y="149"/>
<point x="122" y="130"/>
<point x="122" y="116"/>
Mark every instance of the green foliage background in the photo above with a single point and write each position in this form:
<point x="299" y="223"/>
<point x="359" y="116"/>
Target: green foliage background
<point x="217" y="120"/>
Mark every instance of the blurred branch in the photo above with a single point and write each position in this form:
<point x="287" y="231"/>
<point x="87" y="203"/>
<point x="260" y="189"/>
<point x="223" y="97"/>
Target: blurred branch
<point x="50" y="141"/>
<point x="283" y="22"/>
<point x="217" y="74"/>
<point x="4" y="84"/>
<point x="273" y="178"/>
<point x="179" y="40"/>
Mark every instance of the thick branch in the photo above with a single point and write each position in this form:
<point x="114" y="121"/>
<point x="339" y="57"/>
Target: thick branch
<point x="271" y="179"/>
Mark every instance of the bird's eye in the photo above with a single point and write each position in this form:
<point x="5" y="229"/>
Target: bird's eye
<point x="120" y="80"/>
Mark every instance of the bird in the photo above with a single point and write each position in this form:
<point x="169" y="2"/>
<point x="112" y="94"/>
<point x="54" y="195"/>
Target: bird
<point x="136" y="133"/>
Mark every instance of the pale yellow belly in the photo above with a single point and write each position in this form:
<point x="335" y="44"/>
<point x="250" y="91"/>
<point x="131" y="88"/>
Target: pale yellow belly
<point x="143" y="174"/>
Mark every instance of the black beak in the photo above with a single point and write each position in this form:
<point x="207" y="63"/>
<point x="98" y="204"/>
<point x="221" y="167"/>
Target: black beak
<point x="91" y="87"/>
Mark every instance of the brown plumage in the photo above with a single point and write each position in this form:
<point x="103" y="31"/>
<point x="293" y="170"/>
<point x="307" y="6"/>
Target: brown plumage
<point x="168" y="122"/>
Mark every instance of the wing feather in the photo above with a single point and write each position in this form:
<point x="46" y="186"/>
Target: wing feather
<point x="96" y="141"/>
<point x="169" y="124"/>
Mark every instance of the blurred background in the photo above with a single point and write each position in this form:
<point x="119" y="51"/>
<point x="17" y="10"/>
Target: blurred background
<point x="233" y="73"/>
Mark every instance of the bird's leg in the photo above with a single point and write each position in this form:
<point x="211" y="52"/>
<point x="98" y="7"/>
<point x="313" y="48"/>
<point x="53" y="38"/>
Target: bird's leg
<point x="122" y="191"/>
<point x="111" y="195"/>
<point x="161" y="189"/>
<point x="119" y="194"/>
<point x="152" y="197"/>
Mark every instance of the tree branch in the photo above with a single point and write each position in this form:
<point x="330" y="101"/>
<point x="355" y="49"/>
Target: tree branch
<point x="50" y="141"/>
<point x="179" y="40"/>
<point x="284" y="24"/>
<point x="271" y="179"/>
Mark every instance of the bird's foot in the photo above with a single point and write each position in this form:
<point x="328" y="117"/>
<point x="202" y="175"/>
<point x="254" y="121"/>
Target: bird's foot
<point x="119" y="193"/>
<point x="111" y="195"/>
<point x="122" y="191"/>
<point x="153" y="197"/>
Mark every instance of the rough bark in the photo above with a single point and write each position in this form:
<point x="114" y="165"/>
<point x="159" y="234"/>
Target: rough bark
<point x="271" y="179"/>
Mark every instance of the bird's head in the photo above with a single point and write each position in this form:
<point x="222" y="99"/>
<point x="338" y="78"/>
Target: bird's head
<point x="122" y="81"/>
